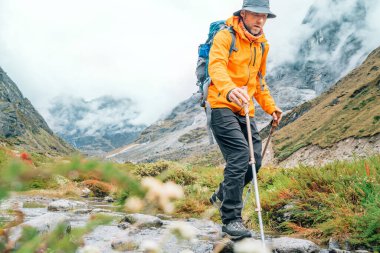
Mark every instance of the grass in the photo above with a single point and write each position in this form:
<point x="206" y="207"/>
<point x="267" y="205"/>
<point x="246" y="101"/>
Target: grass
<point x="33" y="205"/>
<point x="354" y="113"/>
<point x="340" y="200"/>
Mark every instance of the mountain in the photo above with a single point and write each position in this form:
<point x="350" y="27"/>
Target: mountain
<point x="341" y="123"/>
<point x="22" y="126"/>
<point x="337" y="38"/>
<point x="335" y="45"/>
<point x="94" y="126"/>
<point x="170" y="138"/>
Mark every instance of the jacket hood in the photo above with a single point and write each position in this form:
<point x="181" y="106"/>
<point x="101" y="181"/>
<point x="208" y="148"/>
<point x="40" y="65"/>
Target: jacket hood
<point x="234" y="22"/>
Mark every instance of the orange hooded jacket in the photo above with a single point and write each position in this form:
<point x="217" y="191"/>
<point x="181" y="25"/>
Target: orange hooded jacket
<point x="239" y="69"/>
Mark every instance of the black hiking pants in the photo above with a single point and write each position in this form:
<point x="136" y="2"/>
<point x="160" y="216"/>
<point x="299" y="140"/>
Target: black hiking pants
<point x="230" y="132"/>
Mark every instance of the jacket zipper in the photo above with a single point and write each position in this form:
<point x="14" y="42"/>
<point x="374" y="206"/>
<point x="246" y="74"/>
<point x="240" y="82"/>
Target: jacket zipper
<point x="249" y="72"/>
<point x="254" y="62"/>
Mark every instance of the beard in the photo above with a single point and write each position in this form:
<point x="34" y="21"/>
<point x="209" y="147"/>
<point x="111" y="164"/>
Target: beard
<point x="253" y="30"/>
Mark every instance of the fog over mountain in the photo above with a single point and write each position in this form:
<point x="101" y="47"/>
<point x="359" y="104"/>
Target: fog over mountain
<point x="335" y="37"/>
<point x="94" y="126"/>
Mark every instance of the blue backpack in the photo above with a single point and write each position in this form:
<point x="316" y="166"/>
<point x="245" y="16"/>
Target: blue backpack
<point x="203" y="78"/>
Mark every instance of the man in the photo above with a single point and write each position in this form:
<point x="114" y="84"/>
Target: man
<point x="237" y="78"/>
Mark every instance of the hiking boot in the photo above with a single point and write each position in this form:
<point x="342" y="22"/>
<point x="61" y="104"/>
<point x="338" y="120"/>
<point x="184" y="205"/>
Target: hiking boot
<point x="235" y="230"/>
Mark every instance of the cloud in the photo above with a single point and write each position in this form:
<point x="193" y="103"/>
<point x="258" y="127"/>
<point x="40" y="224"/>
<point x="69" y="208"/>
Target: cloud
<point x="105" y="115"/>
<point x="143" y="50"/>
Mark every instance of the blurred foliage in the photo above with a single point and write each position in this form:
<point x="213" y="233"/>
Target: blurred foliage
<point x="339" y="200"/>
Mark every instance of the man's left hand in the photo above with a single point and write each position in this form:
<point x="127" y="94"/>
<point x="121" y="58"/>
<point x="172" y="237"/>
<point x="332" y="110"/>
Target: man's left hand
<point x="277" y="116"/>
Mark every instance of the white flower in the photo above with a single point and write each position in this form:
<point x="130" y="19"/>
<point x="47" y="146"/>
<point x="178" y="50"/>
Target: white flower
<point x="154" y="188"/>
<point x="150" y="247"/>
<point x="172" y="191"/>
<point x="162" y="194"/>
<point x="183" y="230"/>
<point x="250" y="246"/>
<point x="167" y="206"/>
<point x="134" y="204"/>
<point x="186" y="251"/>
<point x="150" y="183"/>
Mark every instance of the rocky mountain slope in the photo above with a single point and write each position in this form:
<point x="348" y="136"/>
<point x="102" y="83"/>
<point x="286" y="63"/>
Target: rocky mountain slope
<point x="21" y="125"/>
<point x="171" y="138"/>
<point x="330" y="49"/>
<point x="333" y="47"/>
<point x="94" y="126"/>
<point x="345" y="120"/>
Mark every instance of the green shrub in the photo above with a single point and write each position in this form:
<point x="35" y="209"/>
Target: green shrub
<point x="180" y="176"/>
<point x="151" y="169"/>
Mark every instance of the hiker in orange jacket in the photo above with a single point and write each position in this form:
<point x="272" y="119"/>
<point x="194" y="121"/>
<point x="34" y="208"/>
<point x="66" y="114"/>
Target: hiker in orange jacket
<point x="235" y="79"/>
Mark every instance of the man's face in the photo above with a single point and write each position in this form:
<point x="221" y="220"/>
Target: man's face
<point x="254" y="22"/>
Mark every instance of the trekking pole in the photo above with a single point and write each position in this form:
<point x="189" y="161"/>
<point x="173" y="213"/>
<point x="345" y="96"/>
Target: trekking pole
<point x="262" y="157"/>
<point x="254" y="179"/>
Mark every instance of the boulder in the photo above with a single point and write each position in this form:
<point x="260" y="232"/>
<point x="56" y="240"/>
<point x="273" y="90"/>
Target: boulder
<point x="66" y="205"/>
<point x="143" y="220"/>
<point x="43" y="224"/>
<point x="293" y="245"/>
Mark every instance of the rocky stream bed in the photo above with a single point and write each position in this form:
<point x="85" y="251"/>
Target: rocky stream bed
<point x="134" y="232"/>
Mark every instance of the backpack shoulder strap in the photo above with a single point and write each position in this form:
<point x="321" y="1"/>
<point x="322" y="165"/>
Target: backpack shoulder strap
<point x="260" y="74"/>
<point x="233" y="43"/>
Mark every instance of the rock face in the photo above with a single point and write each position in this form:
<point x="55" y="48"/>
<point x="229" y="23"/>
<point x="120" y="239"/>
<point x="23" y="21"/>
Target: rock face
<point x="95" y="126"/>
<point x="168" y="138"/>
<point x="332" y="47"/>
<point x="22" y="125"/>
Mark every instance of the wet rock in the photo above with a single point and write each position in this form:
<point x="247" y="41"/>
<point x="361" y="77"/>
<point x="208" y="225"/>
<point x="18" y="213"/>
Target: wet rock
<point x="292" y="245"/>
<point x="100" y="210"/>
<point x="164" y="216"/>
<point x="124" y="225"/>
<point x="82" y="211"/>
<point x="285" y="213"/>
<point x="143" y="220"/>
<point x="109" y="199"/>
<point x="43" y="224"/>
<point x="124" y="245"/>
<point x="65" y="205"/>
<point x="224" y="246"/>
<point x="333" y="244"/>
<point x="86" y="193"/>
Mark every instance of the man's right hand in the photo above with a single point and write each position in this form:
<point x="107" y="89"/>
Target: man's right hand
<point x="239" y="96"/>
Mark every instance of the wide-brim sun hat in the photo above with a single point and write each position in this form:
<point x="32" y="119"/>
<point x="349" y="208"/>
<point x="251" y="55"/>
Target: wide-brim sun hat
<point x="258" y="6"/>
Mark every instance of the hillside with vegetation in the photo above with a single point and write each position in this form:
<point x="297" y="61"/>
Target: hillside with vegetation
<point x="338" y="202"/>
<point x="350" y="109"/>
<point x="22" y="126"/>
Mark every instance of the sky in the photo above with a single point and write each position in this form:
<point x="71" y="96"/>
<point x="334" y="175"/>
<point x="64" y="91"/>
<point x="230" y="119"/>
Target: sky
<point x="144" y="50"/>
